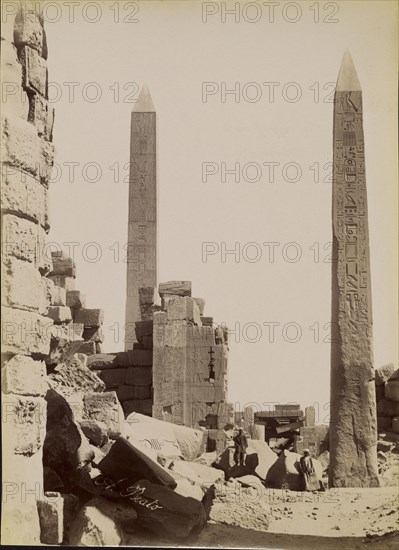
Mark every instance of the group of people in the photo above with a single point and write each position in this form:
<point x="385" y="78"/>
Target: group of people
<point x="311" y="480"/>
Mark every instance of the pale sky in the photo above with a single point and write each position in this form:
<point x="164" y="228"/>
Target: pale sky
<point x="283" y="66"/>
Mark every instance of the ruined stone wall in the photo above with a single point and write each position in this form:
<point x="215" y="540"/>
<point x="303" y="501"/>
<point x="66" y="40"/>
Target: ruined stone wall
<point x="387" y="392"/>
<point x="27" y="160"/>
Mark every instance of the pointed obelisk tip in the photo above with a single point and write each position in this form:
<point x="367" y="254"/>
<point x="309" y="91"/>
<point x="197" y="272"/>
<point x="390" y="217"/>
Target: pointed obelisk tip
<point x="144" y="103"/>
<point x="347" y="77"/>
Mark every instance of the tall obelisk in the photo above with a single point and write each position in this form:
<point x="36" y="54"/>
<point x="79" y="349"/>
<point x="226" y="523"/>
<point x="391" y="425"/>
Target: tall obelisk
<point x="142" y="230"/>
<point x="353" y="426"/>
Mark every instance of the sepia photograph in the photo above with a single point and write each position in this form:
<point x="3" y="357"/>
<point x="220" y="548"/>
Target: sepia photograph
<point x="199" y="214"/>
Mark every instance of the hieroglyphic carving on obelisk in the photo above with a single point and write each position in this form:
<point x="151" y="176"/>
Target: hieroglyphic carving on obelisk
<point x="142" y="230"/>
<point x="353" y="429"/>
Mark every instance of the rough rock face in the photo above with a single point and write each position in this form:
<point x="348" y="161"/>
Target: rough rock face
<point x="73" y="376"/>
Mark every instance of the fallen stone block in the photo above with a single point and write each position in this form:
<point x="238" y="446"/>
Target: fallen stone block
<point x="68" y="283"/>
<point x="102" y="361"/>
<point x="104" y="407"/>
<point x="178" y="288"/>
<point x="89" y="317"/>
<point x="75" y="299"/>
<point x="386" y="407"/>
<point x="58" y="296"/>
<point x="190" y="441"/>
<point x="24" y="376"/>
<point x="127" y="393"/>
<point x="73" y="376"/>
<point x="25" y="332"/>
<point x="153" y="434"/>
<point x="146" y="295"/>
<point x="197" y="473"/>
<point x="324" y="459"/>
<point x="138" y="376"/>
<point x="285" y="472"/>
<point x="383" y="374"/>
<point x="186" y="488"/>
<point x="385" y="446"/>
<point x="88" y="348"/>
<point x="55" y="513"/>
<point x="94" y="334"/>
<point x="63" y="265"/>
<point x="140" y="357"/>
<point x="250" y="481"/>
<point x="143" y="406"/>
<point x="112" y="378"/>
<point x="65" y="342"/>
<point x="98" y="454"/>
<point x="100" y="523"/>
<point x="265" y="456"/>
<point x="60" y="314"/>
<point x="391" y="389"/>
<point x="95" y="431"/>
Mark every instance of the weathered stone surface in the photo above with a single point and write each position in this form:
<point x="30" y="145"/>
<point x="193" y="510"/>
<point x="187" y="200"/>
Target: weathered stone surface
<point x="24" y="288"/>
<point x="63" y="336"/>
<point x="104" y="407"/>
<point x="58" y="296"/>
<point x="146" y="295"/>
<point x="60" y="314"/>
<point x="25" y="517"/>
<point x="384" y="373"/>
<point x="63" y="265"/>
<point x="41" y="115"/>
<point x="127" y="393"/>
<point x="73" y="376"/>
<point x="25" y="332"/>
<point x="25" y="150"/>
<point x="353" y="424"/>
<point x="285" y="472"/>
<point x="23" y="423"/>
<point x="25" y="196"/>
<point x="386" y="407"/>
<point x="28" y="30"/>
<point x="55" y="511"/>
<point x="143" y="406"/>
<point x="65" y="282"/>
<point x="197" y="473"/>
<point x="178" y="288"/>
<point x="25" y="240"/>
<point x="89" y="317"/>
<point x="100" y="523"/>
<point x="94" y="334"/>
<point x="265" y="456"/>
<point x="102" y="361"/>
<point x="112" y="378"/>
<point x="89" y="348"/>
<point x="95" y="431"/>
<point x="138" y="376"/>
<point x="24" y="376"/>
<point x="140" y="357"/>
<point x="143" y="328"/>
<point x="229" y="511"/>
<point x="187" y="488"/>
<point x="34" y="71"/>
<point x="201" y="305"/>
<point x="392" y="390"/>
<point x="98" y="454"/>
<point x="190" y="441"/>
<point x="75" y="299"/>
<point x="152" y="434"/>
<point x="184" y="308"/>
<point x="15" y="100"/>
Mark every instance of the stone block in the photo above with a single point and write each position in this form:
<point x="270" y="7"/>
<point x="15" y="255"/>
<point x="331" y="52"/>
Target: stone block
<point x="384" y="373"/>
<point x="60" y="314"/>
<point x="28" y="31"/>
<point x="41" y="114"/>
<point x="146" y="295"/>
<point x="34" y="71"/>
<point x="178" y="288"/>
<point x="74" y="376"/>
<point x="15" y="99"/>
<point x="94" y="334"/>
<point x="143" y="328"/>
<point x="72" y="332"/>
<point x="25" y="196"/>
<point x="183" y="308"/>
<point x="140" y="357"/>
<point x="392" y="390"/>
<point x="112" y="378"/>
<point x="89" y="317"/>
<point x="23" y="375"/>
<point x="95" y="431"/>
<point x="25" y="150"/>
<point x="51" y="515"/>
<point x="128" y="393"/>
<point x="201" y="305"/>
<point x="23" y="423"/>
<point x="104" y="407"/>
<point x="25" y="240"/>
<point x="68" y="283"/>
<point x="63" y="265"/>
<point x="25" y="332"/>
<point x="386" y="407"/>
<point x="395" y="424"/>
<point x="138" y="376"/>
<point x="123" y="358"/>
<point x="102" y="361"/>
<point x="99" y="348"/>
<point x="148" y="342"/>
<point x="89" y="348"/>
<point x="20" y="524"/>
<point x="207" y="321"/>
<point x="58" y="296"/>
<point x="24" y="288"/>
<point x="310" y="417"/>
<point x="140" y="406"/>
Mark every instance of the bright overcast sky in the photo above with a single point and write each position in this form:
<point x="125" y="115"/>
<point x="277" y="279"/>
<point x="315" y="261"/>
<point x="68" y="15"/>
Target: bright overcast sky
<point x="282" y="62"/>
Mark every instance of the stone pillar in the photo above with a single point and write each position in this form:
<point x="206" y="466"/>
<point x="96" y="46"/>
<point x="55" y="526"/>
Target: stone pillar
<point x="353" y="430"/>
<point x="27" y="160"/>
